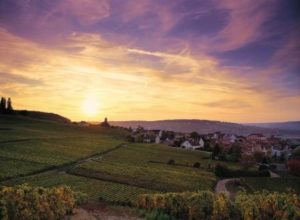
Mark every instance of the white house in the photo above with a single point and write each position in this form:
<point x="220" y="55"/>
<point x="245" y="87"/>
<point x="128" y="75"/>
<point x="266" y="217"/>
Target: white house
<point x="201" y="143"/>
<point x="187" y="145"/>
<point x="231" y="138"/>
<point x="158" y="137"/>
<point x="193" y="145"/>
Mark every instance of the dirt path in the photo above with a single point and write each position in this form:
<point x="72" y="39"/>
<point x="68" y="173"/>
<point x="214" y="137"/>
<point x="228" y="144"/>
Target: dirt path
<point x="221" y="186"/>
<point x="273" y="175"/>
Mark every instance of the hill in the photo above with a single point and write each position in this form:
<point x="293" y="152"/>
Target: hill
<point x="289" y="125"/>
<point x="43" y="116"/>
<point x="201" y="126"/>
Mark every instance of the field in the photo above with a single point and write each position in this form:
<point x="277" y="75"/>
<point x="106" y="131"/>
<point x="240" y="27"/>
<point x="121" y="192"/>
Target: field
<point x="28" y="145"/>
<point x="272" y="184"/>
<point x="95" y="189"/>
<point x="134" y="165"/>
<point x="95" y="161"/>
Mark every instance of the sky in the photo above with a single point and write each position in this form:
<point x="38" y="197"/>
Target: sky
<point x="227" y="60"/>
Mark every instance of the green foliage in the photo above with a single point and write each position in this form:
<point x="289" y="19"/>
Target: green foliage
<point x="171" y="162"/>
<point x="25" y="202"/>
<point x="272" y="184"/>
<point x="266" y="205"/>
<point x="222" y="170"/>
<point x="197" y="165"/>
<point x="210" y="206"/>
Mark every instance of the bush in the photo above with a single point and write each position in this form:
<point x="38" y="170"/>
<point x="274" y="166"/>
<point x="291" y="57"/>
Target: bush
<point x="294" y="166"/>
<point x="209" y="206"/>
<point x="197" y="165"/>
<point x="222" y="170"/>
<point x="266" y="205"/>
<point x="25" y="202"/>
<point x="171" y="162"/>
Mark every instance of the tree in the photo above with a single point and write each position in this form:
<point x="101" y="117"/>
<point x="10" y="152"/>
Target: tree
<point x="258" y="156"/>
<point x="9" y="106"/>
<point x="105" y="123"/>
<point x="247" y="161"/>
<point x="194" y="135"/>
<point x="3" y="105"/>
<point x="216" y="151"/>
<point x="235" y="152"/>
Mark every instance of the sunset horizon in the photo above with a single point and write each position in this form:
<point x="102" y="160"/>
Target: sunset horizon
<point x="233" y="61"/>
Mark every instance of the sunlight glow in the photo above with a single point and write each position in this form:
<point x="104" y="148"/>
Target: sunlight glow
<point x="90" y="107"/>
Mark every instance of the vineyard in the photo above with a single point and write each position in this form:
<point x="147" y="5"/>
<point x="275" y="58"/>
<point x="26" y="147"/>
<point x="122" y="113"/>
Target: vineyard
<point x="26" y="202"/>
<point x="131" y="165"/>
<point x="274" y="184"/>
<point x="28" y="146"/>
<point x="209" y="206"/>
<point x="95" y="189"/>
<point x="101" y="164"/>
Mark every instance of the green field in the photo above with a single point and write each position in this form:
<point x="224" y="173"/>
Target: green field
<point x="95" y="189"/>
<point x="131" y="165"/>
<point x="28" y="145"/>
<point x="47" y="153"/>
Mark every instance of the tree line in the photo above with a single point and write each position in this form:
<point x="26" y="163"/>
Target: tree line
<point x="6" y="106"/>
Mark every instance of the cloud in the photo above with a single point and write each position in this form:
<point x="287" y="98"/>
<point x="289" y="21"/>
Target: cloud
<point x="228" y="104"/>
<point x="245" y="21"/>
<point x="9" y="78"/>
<point x="86" y="12"/>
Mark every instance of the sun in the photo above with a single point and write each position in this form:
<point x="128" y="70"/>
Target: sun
<point x="90" y="107"/>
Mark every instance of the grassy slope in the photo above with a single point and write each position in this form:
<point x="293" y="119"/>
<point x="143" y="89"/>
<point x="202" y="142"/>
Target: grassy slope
<point x="131" y="165"/>
<point x="28" y="145"/>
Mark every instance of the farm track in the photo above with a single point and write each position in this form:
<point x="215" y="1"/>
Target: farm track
<point x="221" y="186"/>
<point x="66" y="166"/>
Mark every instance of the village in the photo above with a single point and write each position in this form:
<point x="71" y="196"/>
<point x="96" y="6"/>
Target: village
<point x="227" y="147"/>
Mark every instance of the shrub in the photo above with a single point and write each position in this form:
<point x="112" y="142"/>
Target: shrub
<point x="266" y="205"/>
<point x="171" y="162"/>
<point x="294" y="166"/>
<point x="223" y="171"/>
<point x="197" y="165"/>
<point x="25" y="202"/>
<point x="209" y="206"/>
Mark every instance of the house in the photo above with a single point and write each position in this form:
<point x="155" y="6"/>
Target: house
<point x="256" y="137"/>
<point x="158" y="137"/>
<point x="229" y="138"/>
<point x="284" y="152"/>
<point x="193" y="144"/>
<point x="186" y="144"/>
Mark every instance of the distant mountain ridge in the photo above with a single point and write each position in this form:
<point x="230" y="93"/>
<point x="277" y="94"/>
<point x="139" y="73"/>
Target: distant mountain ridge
<point x="207" y="126"/>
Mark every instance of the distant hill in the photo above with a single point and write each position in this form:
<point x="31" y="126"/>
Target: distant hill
<point x="43" y="116"/>
<point x="290" y="125"/>
<point x="206" y="126"/>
